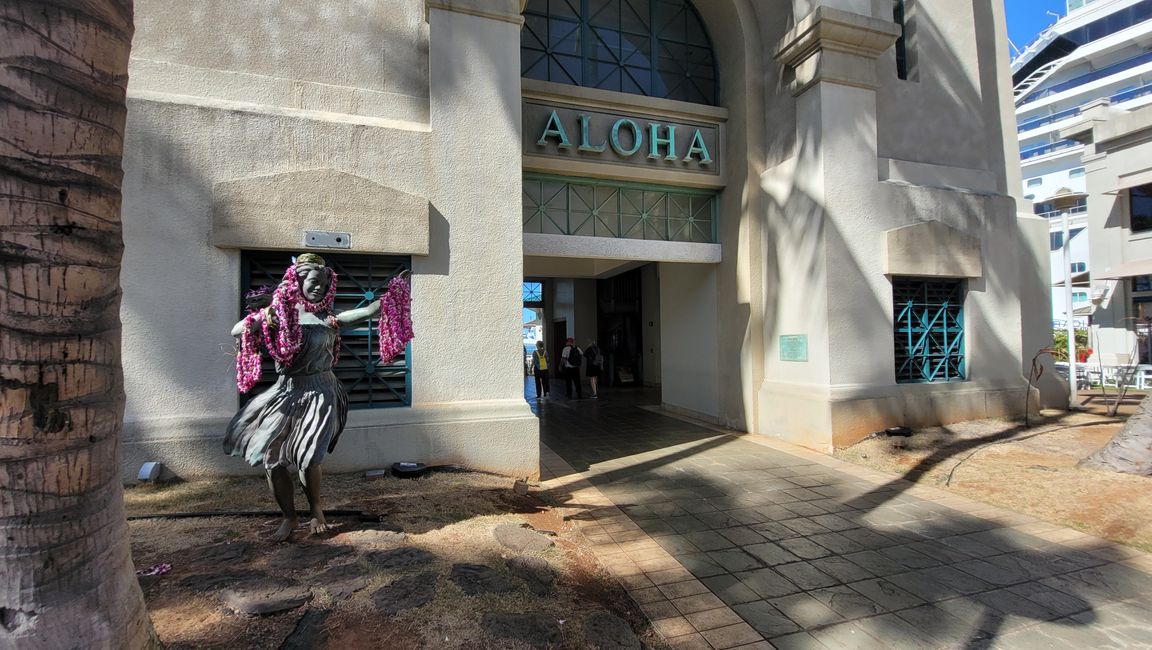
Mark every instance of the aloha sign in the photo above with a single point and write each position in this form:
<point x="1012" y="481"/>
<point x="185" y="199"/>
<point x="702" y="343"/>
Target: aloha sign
<point x="598" y="136"/>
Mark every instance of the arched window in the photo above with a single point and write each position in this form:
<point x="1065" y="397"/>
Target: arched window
<point x="657" y="48"/>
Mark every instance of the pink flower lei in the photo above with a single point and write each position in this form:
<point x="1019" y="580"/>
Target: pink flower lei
<point x="395" y="327"/>
<point x="283" y="337"/>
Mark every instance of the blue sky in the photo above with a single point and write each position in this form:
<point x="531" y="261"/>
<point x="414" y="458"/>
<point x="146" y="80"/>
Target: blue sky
<point x="1026" y="18"/>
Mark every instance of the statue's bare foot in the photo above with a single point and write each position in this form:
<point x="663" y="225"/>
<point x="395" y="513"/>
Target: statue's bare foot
<point x="285" y="530"/>
<point x="318" y="525"/>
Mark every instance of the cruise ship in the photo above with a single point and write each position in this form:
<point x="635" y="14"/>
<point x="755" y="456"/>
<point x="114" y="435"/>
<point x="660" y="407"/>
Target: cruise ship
<point x="1101" y="49"/>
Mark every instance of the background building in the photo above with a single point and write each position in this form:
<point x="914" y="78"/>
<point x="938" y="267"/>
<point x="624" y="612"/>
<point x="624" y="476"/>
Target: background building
<point x="1099" y="49"/>
<point x="775" y="211"/>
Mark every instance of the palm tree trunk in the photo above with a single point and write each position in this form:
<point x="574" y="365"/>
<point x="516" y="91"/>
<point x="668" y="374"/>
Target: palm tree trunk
<point x="66" y="573"/>
<point x="1130" y="450"/>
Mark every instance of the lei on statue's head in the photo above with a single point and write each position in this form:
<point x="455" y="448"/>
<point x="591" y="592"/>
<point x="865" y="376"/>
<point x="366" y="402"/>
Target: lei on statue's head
<point x="279" y="323"/>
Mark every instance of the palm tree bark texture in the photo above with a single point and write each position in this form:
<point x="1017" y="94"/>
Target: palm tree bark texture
<point x="66" y="573"/>
<point x="1130" y="450"/>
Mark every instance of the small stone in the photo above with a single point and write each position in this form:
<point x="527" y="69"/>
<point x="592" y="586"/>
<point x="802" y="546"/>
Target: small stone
<point x="518" y="538"/>
<point x="405" y="593"/>
<point x="607" y="632"/>
<point x="399" y="558"/>
<point x="474" y="579"/>
<point x="536" y="630"/>
<point x="376" y="473"/>
<point x="535" y="572"/>
<point x="265" y="596"/>
<point x="342" y="581"/>
<point x="309" y="632"/>
<point x="305" y="556"/>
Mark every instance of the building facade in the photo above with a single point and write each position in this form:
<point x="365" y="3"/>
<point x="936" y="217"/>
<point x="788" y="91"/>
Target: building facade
<point x="1117" y="154"/>
<point x="775" y="211"/>
<point x="1098" y="50"/>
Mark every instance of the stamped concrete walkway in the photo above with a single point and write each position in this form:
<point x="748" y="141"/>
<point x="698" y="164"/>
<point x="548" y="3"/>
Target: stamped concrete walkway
<point x="738" y="541"/>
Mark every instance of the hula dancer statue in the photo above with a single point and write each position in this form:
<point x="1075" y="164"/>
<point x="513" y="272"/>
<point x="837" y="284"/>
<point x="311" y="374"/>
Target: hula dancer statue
<point x="298" y="420"/>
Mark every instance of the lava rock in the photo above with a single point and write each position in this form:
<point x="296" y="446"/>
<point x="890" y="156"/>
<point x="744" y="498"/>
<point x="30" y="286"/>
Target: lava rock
<point x="265" y="596"/>
<point x="309" y="632"/>
<point x="607" y="632"/>
<point x="536" y="630"/>
<point x="474" y="579"/>
<point x="342" y="581"/>
<point x="405" y="593"/>
<point x="518" y="538"/>
<point x="535" y="572"/>
<point x="293" y="557"/>
<point x="217" y="555"/>
<point x="399" y="558"/>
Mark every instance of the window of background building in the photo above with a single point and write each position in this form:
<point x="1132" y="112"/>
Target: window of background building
<point x="1056" y="239"/>
<point x="1076" y="173"/>
<point x="1079" y="296"/>
<point x="1035" y="182"/>
<point x="1140" y="208"/>
<point x="657" y="48"/>
<point x="928" y="329"/>
<point x="1079" y="267"/>
<point x="360" y="280"/>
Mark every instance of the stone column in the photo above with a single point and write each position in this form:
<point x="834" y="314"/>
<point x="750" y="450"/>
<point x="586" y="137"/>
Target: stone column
<point x="826" y="194"/>
<point x="468" y="323"/>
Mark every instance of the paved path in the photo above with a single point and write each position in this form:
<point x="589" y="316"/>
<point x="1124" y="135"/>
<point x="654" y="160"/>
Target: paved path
<point x="738" y="541"/>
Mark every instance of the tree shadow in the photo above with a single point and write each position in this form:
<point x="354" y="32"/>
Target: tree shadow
<point x="797" y="547"/>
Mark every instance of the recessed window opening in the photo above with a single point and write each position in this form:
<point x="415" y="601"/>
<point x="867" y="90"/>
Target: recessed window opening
<point x="903" y="14"/>
<point x="928" y="329"/>
<point x="1140" y="208"/>
<point x="361" y="279"/>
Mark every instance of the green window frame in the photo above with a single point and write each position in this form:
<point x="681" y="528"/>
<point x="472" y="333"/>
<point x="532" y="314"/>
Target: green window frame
<point x="928" y="324"/>
<point x="657" y="48"/>
<point x="557" y="205"/>
<point x="360" y="280"/>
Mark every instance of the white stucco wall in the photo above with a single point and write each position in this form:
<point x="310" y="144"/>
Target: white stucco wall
<point x="689" y="369"/>
<point x="192" y="132"/>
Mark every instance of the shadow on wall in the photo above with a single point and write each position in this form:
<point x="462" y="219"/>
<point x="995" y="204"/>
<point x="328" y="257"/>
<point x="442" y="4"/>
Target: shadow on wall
<point x="798" y="228"/>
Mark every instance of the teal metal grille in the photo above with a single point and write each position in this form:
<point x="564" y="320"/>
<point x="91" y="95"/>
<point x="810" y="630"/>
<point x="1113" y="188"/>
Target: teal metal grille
<point x="657" y="48"/>
<point x="929" y="330"/>
<point x="533" y="294"/>
<point x="565" y="206"/>
<point x="362" y="279"/>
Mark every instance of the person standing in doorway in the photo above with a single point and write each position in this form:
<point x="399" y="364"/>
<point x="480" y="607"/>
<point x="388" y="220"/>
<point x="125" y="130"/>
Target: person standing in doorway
<point x="570" y="359"/>
<point x="595" y="363"/>
<point x="540" y="370"/>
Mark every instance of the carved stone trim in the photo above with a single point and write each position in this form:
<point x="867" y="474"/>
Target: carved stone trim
<point x="835" y="46"/>
<point x="932" y="249"/>
<point x="508" y="11"/>
<point x="272" y="212"/>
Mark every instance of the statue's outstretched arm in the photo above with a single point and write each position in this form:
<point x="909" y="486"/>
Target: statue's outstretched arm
<point x="238" y="329"/>
<point x="354" y="316"/>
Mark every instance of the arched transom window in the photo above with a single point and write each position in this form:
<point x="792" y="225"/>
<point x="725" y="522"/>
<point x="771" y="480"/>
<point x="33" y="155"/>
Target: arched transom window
<point x="657" y="48"/>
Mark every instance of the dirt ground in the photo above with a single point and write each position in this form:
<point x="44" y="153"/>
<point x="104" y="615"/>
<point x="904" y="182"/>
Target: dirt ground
<point x="1030" y="470"/>
<point x="451" y="515"/>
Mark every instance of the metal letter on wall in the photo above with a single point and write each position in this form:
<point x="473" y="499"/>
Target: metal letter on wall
<point x="621" y="139"/>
